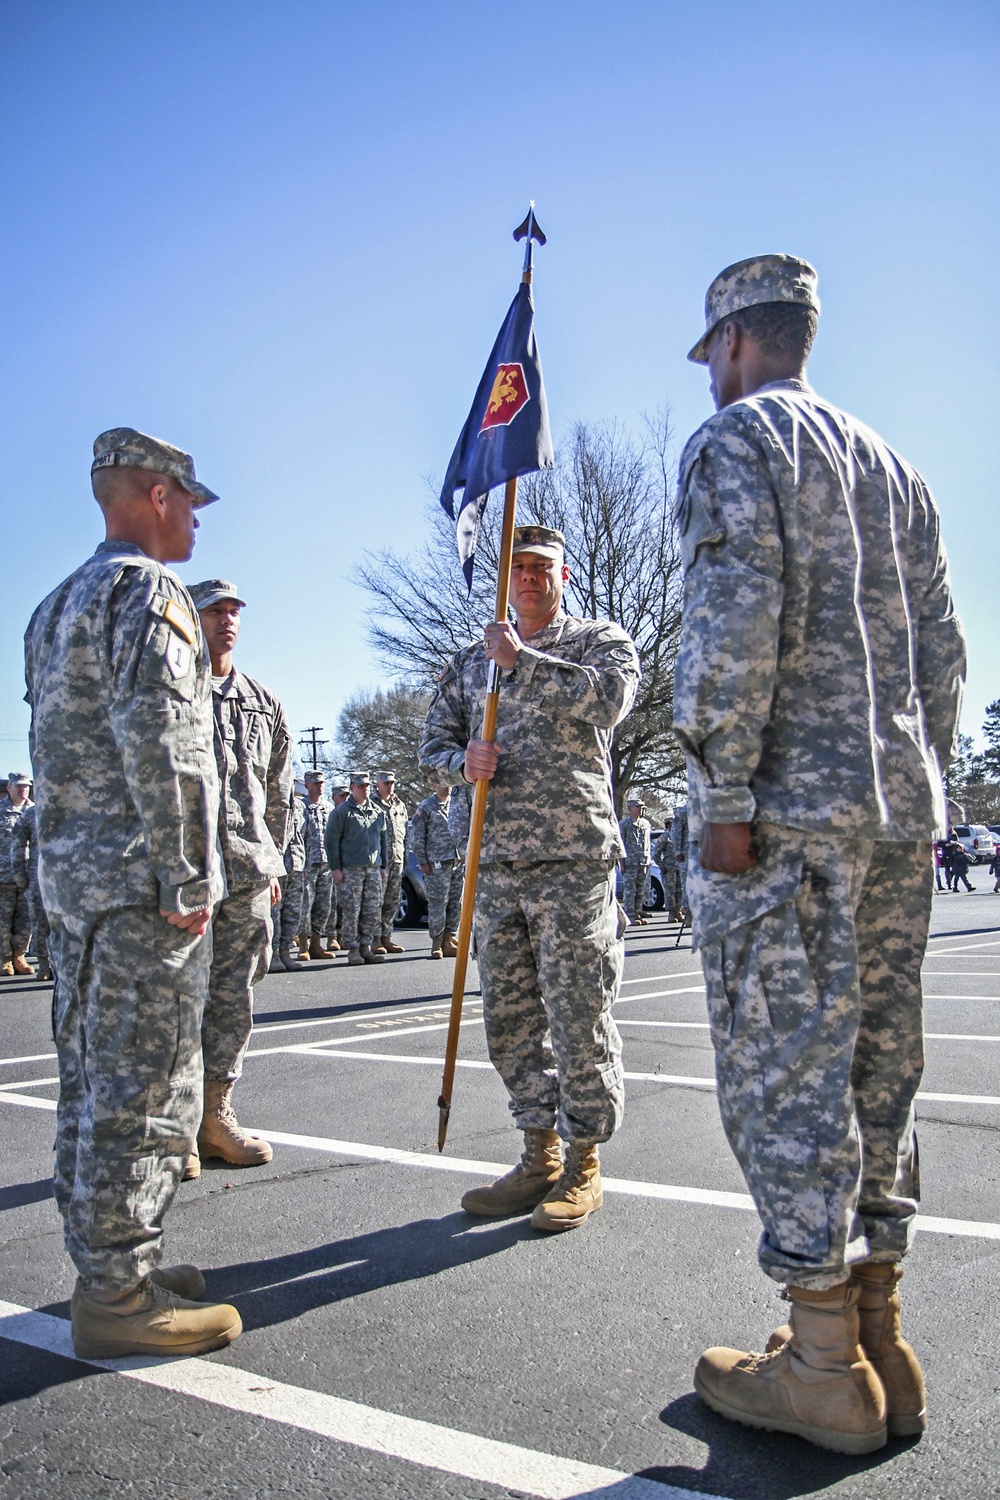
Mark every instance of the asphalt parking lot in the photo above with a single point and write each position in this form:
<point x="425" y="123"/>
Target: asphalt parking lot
<point x="396" y="1348"/>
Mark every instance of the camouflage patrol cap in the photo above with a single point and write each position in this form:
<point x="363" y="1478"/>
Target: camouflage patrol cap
<point x="762" y="278"/>
<point x="124" y="448"/>
<point x="385" y="775"/>
<point x="18" y="778"/>
<point x="340" y="790"/>
<point x="539" y="539"/>
<point x="359" y="778"/>
<point x="314" y="776"/>
<point x="212" y="590"/>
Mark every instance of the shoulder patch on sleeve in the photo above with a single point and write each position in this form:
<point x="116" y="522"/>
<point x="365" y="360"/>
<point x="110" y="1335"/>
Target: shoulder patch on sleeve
<point x="177" y="617"/>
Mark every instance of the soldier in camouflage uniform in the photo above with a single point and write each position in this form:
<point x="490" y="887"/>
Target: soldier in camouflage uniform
<point x="287" y="915"/>
<point x="635" y="831"/>
<point x="357" y="848"/>
<point x="15" y="911"/>
<point x="665" y="857"/>
<point x="680" y="838"/>
<point x="317" y="882"/>
<point x="817" y="693"/>
<point x="127" y="814"/>
<point x="24" y="866"/>
<point x="253" y="752"/>
<point x="442" y="867"/>
<point x="548" y="927"/>
<point x="396" y="822"/>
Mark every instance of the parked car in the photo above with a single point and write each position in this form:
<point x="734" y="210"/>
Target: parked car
<point x="412" y="909"/>
<point x="978" y="841"/>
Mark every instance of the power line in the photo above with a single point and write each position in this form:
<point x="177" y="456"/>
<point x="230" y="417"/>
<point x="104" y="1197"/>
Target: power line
<point x="311" y="740"/>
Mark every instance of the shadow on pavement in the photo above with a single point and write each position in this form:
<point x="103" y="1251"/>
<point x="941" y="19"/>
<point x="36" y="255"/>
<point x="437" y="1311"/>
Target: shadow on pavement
<point x="285" y="1287"/>
<point x="354" y="1007"/>
<point x="746" y="1464"/>
<point x="965" y="932"/>
<point x="21" y="1193"/>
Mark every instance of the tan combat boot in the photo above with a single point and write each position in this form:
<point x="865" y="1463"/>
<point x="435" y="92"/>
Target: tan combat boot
<point x="303" y="946"/>
<point x="576" y="1195"/>
<point x="316" y="949"/>
<point x="819" y="1385"/>
<point x="380" y="948"/>
<point x="7" y="968"/>
<point x="148" y="1319"/>
<point x="22" y="966"/>
<point x="449" y="944"/>
<point x="437" y="941"/>
<point x="192" y="1169"/>
<point x="184" y="1281"/>
<point x="391" y="947"/>
<point x="221" y="1133"/>
<point x="891" y="1357"/>
<point x="525" y="1185"/>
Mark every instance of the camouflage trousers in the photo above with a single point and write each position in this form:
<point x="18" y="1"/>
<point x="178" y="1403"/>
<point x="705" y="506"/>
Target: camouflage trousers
<point x="815" y="1006"/>
<point x="15" y="921"/>
<point x="317" y="900"/>
<point x="550" y="950"/>
<point x="126" y="1013"/>
<point x="444" y="887"/>
<point x="241" y="952"/>
<point x="287" y="915"/>
<point x="360" y="898"/>
<point x="40" y="927"/>
<point x="635" y="889"/>
<point x="390" y="900"/>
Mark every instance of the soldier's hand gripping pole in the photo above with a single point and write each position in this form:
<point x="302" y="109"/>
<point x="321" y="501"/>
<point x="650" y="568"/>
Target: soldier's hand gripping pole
<point x="476" y="823"/>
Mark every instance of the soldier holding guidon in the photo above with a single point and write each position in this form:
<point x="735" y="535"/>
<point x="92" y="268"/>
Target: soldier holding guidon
<point x="817" y="694"/>
<point x="548" y="927"/>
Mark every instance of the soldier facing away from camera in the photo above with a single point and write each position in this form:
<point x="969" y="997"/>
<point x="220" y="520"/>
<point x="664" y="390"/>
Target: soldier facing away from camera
<point x="817" y="693"/>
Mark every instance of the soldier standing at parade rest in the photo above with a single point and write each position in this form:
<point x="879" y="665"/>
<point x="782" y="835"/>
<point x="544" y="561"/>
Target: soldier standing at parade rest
<point x="548" y="928"/>
<point x="15" y="912"/>
<point x="24" y="867"/>
<point x="253" y="752"/>
<point x="357" y="847"/>
<point x="317" y="885"/>
<point x="635" y="832"/>
<point x="287" y="915"/>
<point x="817" y="695"/>
<point x="664" y="855"/>
<point x="396" y="820"/>
<point x="127" y="808"/>
<point x="443" y="869"/>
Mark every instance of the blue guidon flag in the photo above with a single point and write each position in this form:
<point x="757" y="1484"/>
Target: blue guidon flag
<point x="506" y="433"/>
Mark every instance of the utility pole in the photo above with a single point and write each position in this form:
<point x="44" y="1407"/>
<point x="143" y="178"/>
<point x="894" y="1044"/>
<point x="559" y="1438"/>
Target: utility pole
<point x="311" y="733"/>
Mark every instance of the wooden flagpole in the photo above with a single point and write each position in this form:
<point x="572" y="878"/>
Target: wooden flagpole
<point x="478" y="818"/>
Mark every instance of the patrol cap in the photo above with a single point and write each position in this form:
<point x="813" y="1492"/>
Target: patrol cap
<point x="762" y="278"/>
<point x="385" y="775"/>
<point x="540" y="539"/>
<point x="212" y="590"/>
<point x="314" y="776"/>
<point x="19" y="778"/>
<point x="124" y="448"/>
<point x="359" y="778"/>
<point x="340" y="790"/>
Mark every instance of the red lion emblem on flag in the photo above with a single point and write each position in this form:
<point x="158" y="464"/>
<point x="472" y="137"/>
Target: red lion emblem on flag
<point x="509" y="394"/>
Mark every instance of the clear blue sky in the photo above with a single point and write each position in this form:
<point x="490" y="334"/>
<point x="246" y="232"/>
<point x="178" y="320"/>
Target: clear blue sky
<point x="279" y="236"/>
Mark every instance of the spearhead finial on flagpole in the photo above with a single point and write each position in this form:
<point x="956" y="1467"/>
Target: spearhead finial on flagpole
<point x="530" y="230"/>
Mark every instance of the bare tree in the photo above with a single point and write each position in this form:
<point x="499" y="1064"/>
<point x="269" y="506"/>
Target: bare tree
<point x="381" y="731"/>
<point x="611" y="494"/>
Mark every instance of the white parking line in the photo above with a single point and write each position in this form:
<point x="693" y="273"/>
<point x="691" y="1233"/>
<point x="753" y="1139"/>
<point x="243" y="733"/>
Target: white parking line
<point x="342" y="1041"/>
<point x="27" y="1101"/>
<point x="694" y="989"/>
<point x="444" y="1449"/>
<point x="655" y="978"/>
<point x="354" y="1017"/>
<point x="7" y="1062"/>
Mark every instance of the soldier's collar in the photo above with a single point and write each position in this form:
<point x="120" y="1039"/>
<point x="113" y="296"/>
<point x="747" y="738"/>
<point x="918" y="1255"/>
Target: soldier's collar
<point x="556" y="623"/>
<point x="131" y="548"/>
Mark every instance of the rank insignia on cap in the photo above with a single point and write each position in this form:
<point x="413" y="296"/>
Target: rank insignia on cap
<point x="509" y="394"/>
<point x="181" y="621"/>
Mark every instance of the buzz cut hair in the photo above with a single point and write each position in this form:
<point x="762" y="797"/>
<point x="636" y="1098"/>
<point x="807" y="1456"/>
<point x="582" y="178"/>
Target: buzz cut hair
<point x="782" y="330"/>
<point x="113" y="486"/>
